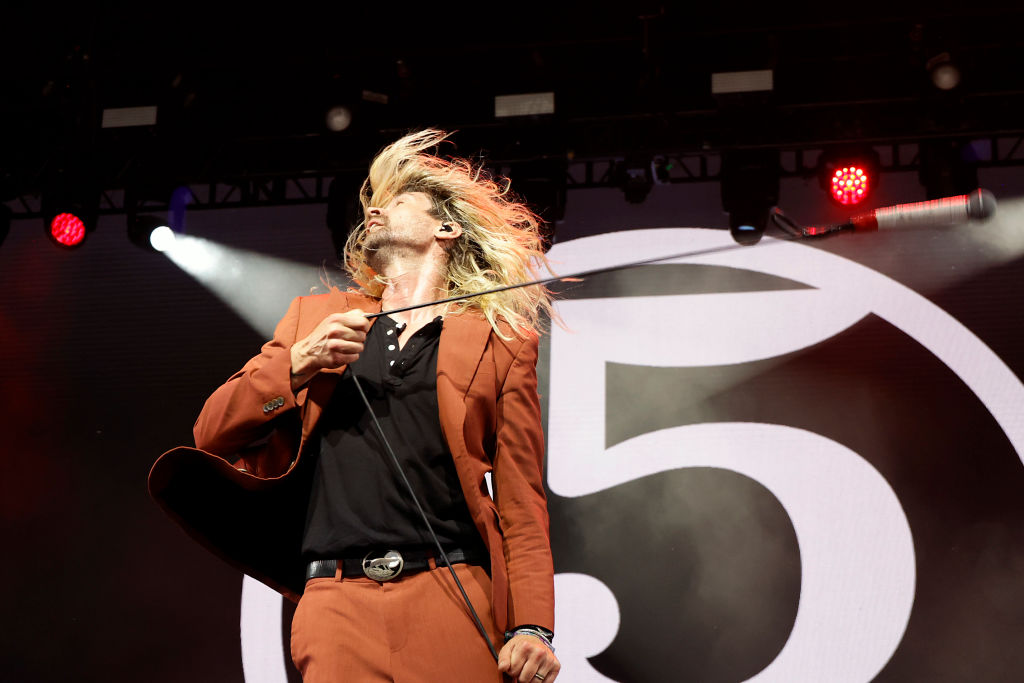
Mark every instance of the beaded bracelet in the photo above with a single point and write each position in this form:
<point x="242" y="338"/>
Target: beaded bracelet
<point x="529" y="632"/>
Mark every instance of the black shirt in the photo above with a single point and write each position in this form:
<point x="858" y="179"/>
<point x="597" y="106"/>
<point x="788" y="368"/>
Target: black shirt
<point x="358" y="500"/>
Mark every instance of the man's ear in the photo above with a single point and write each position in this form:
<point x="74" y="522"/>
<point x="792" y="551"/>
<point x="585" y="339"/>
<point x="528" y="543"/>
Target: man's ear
<point x="448" y="230"/>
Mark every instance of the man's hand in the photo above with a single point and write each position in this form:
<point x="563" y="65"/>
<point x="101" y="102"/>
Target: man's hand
<point x="528" y="658"/>
<point x="336" y="341"/>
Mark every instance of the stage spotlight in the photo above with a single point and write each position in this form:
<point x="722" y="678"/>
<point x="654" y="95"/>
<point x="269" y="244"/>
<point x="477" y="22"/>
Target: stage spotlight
<point x="750" y="188"/>
<point x="67" y="229"/>
<point x="355" y="109"/>
<point x="747" y="222"/>
<point x="162" y="238"/>
<point x="339" y="118"/>
<point x="849" y="175"/>
<point x="150" y="233"/>
<point x="850" y="184"/>
<point x="70" y="206"/>
<point x="944" y="73"/>
<point x="636" y="179"/>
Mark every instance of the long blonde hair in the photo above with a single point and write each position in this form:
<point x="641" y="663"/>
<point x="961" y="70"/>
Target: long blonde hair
<point x="500" y="242"/>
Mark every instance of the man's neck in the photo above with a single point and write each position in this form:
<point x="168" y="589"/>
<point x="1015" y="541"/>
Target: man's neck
<point x="413" y="282"/>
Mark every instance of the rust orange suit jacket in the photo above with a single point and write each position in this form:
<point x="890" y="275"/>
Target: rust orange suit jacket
<point x="243" y="491"/>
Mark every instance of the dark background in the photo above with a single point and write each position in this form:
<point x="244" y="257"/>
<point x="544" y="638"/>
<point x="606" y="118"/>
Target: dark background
<point x="108" y="351"/>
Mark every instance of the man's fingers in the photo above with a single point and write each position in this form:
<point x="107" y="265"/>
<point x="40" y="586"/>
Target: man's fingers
<point x="344" y="352"/>
<point x="353" y="320"/>
<point x="532" y="660"/>
<point x="356" y="319"/>
<point x="339" y="330"/>
<point x="544" y="664"/>
<point x="552" y="672"/>
<point x="504" y="658"/>
<point x="524" y="657"/>
<point x="346" y="346"/>
<point x="336" y="341"/>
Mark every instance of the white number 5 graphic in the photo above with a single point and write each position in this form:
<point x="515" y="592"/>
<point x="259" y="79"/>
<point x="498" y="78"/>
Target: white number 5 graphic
<point x="856" y="549"/>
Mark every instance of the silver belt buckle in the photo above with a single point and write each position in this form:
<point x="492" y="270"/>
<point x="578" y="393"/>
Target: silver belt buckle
<point x="383" y="568"/>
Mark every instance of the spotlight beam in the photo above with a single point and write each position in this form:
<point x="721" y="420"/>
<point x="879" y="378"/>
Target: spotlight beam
<point x="255" y="286"/>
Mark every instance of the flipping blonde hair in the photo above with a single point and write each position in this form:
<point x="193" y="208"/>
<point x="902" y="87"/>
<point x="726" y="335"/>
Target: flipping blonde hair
<point x="500" y="242"/>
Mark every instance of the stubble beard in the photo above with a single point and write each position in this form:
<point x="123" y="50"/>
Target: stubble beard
<point x="383" y="247"/>
<point x="379" y="253"/>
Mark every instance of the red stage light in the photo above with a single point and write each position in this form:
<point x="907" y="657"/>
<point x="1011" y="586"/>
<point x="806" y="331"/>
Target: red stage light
<point x="68" y="229"/>
<point x="850" y="184"/>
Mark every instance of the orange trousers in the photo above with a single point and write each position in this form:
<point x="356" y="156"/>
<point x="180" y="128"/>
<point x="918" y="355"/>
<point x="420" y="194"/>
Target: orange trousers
<point x="414" y="629"/>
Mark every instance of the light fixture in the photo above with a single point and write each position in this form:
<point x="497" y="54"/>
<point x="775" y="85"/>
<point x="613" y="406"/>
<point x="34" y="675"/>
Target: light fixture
<point x="128" y="117"/>
<point x="162" y="238"/>
<point x="526" y="104"/>
<point x="351" y="109"/>
<point x="70" y="206"/>
<point x="849" y="174"/>
<point x="636" y="178"/>
<point x="150" y="233"/>
<point x="155" y="209"/>
<point x="750" y="188"/>
<point x="943" y="71"/>
<point x="67" y="229"/>
<point x="731" y="82"/>
<point x="338" y="118"/>
<point x="850" y="184"/>
<point x="68" y="222"/>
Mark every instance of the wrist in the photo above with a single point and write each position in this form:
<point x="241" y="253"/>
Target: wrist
<point x="536" y="631"/>
<point x="300" y="371"/>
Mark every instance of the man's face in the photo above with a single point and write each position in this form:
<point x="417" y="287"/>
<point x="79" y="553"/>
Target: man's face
<point x="402" y="227"/>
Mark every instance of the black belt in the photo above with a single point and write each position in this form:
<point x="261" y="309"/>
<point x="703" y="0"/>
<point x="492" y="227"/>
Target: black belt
<point x="387" y="565"/>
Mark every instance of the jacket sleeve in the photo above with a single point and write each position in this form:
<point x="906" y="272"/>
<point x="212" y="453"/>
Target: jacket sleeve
<point x="244" y="409"/>
<point x="519" y="493"/>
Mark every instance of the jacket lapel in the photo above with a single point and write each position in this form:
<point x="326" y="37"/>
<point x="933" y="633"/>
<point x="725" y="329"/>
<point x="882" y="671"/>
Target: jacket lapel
<point x="463" y="340"/>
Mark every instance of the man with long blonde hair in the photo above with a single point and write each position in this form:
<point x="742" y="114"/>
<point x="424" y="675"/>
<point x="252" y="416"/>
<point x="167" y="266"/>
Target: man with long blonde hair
<point x="339" y="411"/>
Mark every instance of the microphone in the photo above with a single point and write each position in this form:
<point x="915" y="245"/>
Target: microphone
<point x="937" y="212"/>
<point x="945" y="211"/>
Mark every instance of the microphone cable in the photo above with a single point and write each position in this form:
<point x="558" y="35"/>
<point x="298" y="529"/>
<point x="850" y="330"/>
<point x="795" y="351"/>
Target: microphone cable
<point x="795" y="231"/>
